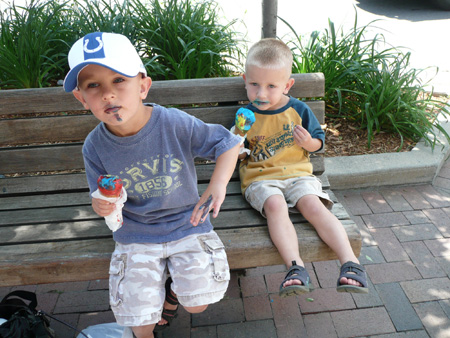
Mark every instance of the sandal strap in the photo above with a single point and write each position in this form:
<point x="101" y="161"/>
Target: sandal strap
<point x="359" y="273"/>
<point x="297" y="272"/>
<point x="169" y="297"/>
<point x="169" y="314"/>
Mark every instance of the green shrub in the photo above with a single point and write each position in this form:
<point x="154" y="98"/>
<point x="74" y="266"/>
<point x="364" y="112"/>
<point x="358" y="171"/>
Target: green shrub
<point x="113" y="16"/>
<point x="177" y="39"/>
<point x="32" y="45"/>
<point x="374" y="87"/>
<point x="182" y="39"/>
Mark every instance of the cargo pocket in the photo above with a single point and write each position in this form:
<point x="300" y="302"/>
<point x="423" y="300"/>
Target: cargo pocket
<point x="116" y="274"/>
<point x="219" y="259"/>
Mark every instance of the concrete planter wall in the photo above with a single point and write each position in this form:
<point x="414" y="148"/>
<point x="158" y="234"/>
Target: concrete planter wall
<point x="420" y="165"/>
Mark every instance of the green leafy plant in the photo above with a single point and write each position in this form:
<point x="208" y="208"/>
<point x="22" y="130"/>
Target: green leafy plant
<point x="104" y="16"/>
<point x="31" y="45"/>
<point x="177" y="39"/>
<point x="369" y="84"/>
<point x="183" y="39"/>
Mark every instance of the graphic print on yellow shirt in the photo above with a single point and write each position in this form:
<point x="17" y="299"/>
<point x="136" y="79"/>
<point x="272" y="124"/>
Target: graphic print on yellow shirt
<point x="274" y="155"/>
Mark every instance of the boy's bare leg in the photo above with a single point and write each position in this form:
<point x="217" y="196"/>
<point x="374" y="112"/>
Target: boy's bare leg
<point x="145" y="331"/>
<point x="282" y="232"/>
<point x="330" y="230"/>
<point x="195" y="309"/>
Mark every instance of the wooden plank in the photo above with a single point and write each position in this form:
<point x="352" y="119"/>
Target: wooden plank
<point x="40" y="130"/>
<point x="235" y="212"/>
<point x="44" y="201"/>
<point x="43" y="184"/>
<point x="248" y="248"/>
<point x="83" y="198"/>
<point x="69" y="182"/>
<point x="46" y="129"/>
<point x="86" y="260"/>
<point x="55" y="262"/>
<point x="192" y="91"/>
<point x="35" y="159"/>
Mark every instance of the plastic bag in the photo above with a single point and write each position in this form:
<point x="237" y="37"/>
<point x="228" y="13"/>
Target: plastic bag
<point x="108" y="330"/>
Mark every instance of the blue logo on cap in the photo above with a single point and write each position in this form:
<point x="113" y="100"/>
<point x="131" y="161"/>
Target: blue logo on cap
<point x="93" y="46"/>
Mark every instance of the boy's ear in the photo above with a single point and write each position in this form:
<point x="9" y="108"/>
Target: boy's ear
<point x="79" y="97"/>
<point x="146" y="83"/>
<point x="289" y="85"/>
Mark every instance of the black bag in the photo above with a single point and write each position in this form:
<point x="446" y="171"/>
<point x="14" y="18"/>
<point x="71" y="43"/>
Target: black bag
<point x="23" y="321"/>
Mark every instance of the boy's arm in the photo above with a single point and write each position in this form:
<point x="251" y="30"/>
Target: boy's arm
<point x="217" y="188"/>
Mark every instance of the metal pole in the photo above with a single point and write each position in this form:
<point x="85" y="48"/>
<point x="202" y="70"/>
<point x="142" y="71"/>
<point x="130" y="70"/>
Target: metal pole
<point x="269" y="18"/>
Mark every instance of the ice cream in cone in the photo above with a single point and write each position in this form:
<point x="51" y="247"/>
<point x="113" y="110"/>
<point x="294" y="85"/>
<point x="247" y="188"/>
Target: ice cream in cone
<point x="244" y="121"/>
<point x="110" y="185"/>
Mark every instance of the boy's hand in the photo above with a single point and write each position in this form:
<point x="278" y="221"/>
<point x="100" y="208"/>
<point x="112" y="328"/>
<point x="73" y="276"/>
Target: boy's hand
<point x="211" y="199"/>
<point x="301" y="136"/>
<point x="102" y="207"/>
<point x="303" y="139"/>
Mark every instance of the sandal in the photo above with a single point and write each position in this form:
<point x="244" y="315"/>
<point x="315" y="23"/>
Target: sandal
<point x="168" y="315"/>
<point x="299" y="273"/>
<point x="358" y="273"/>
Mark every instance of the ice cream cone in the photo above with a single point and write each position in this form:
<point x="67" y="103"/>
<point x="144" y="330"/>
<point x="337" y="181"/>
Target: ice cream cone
<point x="110" y="185"/>
<point x="243" y="121"/>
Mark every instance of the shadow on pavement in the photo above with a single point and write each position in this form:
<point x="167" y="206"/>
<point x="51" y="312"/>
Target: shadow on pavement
<point x="411" y="10"/>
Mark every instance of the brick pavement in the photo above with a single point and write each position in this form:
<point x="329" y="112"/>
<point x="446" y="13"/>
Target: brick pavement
<point x="406" y="251"/>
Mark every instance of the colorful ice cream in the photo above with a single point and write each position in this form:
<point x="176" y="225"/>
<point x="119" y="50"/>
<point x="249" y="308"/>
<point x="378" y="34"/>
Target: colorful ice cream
<point x="110" y="185"/>
<point x="244" y="121"/>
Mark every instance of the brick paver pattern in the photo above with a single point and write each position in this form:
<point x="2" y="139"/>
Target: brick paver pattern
<point x="406" y="251"/>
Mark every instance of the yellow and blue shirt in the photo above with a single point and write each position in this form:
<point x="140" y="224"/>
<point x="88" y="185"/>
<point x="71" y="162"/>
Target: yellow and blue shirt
<point x="274" y="155"/>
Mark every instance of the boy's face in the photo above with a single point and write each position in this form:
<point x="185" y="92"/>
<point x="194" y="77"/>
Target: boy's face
<point x="113" y="98"/>
<point x="267" y="88"/>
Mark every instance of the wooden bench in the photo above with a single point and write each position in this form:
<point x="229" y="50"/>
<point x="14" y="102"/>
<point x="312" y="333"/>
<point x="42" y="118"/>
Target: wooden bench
<point x="48" y="230"/>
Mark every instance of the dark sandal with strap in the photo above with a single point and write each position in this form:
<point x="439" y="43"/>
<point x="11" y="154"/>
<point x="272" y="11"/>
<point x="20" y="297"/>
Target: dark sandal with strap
<point x="356" y="272"/>
<point x="168" y="315"/>
<point x="299" y="273"/>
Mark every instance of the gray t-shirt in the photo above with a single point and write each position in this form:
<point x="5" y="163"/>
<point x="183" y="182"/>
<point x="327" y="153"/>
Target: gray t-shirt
<point x="158" y="171"/>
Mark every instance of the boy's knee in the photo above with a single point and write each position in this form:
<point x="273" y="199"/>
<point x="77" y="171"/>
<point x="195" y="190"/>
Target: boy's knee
<point x="310" y="204"/>
<point x="196" y="309"/>
<point x="274" y="203"/>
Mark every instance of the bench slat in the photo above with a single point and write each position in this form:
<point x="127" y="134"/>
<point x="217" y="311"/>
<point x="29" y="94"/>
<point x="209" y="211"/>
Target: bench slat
<point x="235" y="212"/>
<point x="192" y="91"/>
<point x="83" y="198"/>
<point x="40" y="130"/>
<point x="70" y="182"/>
<point x="89" y="259"/>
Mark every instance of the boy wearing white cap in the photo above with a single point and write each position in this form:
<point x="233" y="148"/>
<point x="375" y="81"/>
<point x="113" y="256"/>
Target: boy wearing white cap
<point x="166" y="225"/>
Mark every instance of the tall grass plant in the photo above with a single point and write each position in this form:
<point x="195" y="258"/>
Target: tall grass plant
<point x="182" y="39"/>
<point x="32" y="44"/>
<point x="370" y="83"/>
<point x="177" y="39"/>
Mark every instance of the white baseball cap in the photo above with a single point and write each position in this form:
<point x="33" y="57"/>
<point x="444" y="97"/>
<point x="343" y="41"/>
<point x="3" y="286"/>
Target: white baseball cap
<point x="110" y="50"/>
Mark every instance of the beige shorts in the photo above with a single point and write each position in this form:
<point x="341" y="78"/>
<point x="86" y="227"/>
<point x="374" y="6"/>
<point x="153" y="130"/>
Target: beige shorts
<point x="197" y="264"/>
<point x="292" y="189"/>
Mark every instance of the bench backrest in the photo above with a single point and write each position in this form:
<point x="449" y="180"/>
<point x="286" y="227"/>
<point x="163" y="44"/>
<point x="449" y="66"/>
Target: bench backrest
<point x="42" y="130"/>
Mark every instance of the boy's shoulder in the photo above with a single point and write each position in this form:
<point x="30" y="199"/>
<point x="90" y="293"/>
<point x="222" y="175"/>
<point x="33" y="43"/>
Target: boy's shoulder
<point x="298" y="105"/>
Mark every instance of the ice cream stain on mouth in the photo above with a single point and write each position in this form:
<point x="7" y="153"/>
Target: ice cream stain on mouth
<point x="114" y="111"/>
<point x="260" y="103"/>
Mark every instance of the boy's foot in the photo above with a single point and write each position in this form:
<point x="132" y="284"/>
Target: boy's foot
<point x="170" y="308"/>
<point x="296" y="282"/>
<point x="353" y="278"/>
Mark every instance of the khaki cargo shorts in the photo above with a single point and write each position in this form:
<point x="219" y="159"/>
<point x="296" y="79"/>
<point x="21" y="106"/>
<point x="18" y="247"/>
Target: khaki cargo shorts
<point x="292" y="189"/>
<point x="197" y="264"/>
